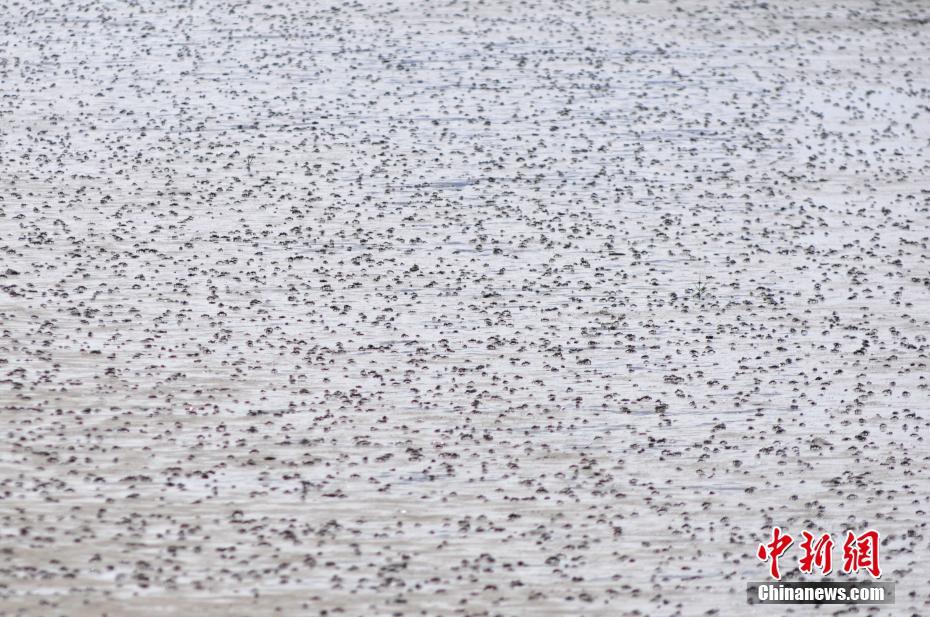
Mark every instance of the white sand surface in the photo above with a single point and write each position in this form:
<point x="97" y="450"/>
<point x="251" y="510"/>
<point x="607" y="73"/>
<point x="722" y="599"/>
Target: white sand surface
<point x="458" y="308"/>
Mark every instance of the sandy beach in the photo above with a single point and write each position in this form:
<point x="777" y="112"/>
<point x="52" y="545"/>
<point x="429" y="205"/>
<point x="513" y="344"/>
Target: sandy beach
<point x="465" y="308"/>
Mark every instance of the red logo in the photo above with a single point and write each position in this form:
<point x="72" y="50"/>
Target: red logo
<point x="859" y="552"/>
<point x="819" y="553"/>
<point x="774" y="549"/>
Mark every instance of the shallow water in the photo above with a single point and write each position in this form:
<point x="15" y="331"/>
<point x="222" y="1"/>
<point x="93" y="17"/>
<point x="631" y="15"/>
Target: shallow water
<point x="482" y="308"/>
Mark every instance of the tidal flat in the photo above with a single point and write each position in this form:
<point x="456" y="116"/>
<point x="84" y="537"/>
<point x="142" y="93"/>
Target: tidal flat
<point x="459" y="308"/>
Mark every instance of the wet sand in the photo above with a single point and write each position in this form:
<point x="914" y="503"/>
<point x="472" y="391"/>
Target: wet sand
<point x="473" y="309"/>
